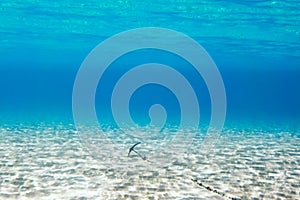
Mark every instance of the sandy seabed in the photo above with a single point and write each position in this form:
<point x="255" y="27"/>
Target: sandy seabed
<point x="48" y="161"/>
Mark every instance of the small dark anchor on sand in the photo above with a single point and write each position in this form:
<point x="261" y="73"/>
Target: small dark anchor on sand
<point x="132" y="149"/>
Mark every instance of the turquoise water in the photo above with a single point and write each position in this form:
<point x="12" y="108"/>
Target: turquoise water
<point x="255" y="45"/>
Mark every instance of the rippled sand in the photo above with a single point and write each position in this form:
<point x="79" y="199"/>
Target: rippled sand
<point x="47" y="161"/>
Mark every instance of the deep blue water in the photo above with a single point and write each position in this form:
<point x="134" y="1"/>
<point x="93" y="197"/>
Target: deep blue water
<point x="255" y="44"/>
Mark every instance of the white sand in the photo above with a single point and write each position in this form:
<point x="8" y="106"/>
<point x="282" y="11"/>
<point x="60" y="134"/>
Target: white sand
<point x="49" y="162"/>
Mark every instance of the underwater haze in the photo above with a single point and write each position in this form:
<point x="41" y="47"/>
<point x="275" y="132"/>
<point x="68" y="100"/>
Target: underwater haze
<point x="255" y="46"/>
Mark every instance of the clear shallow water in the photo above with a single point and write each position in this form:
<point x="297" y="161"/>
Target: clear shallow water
<point x="256" y="46"/>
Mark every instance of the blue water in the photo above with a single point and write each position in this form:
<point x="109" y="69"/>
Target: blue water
<point x="255" y="44"/>
<point x="256" y="47"/>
